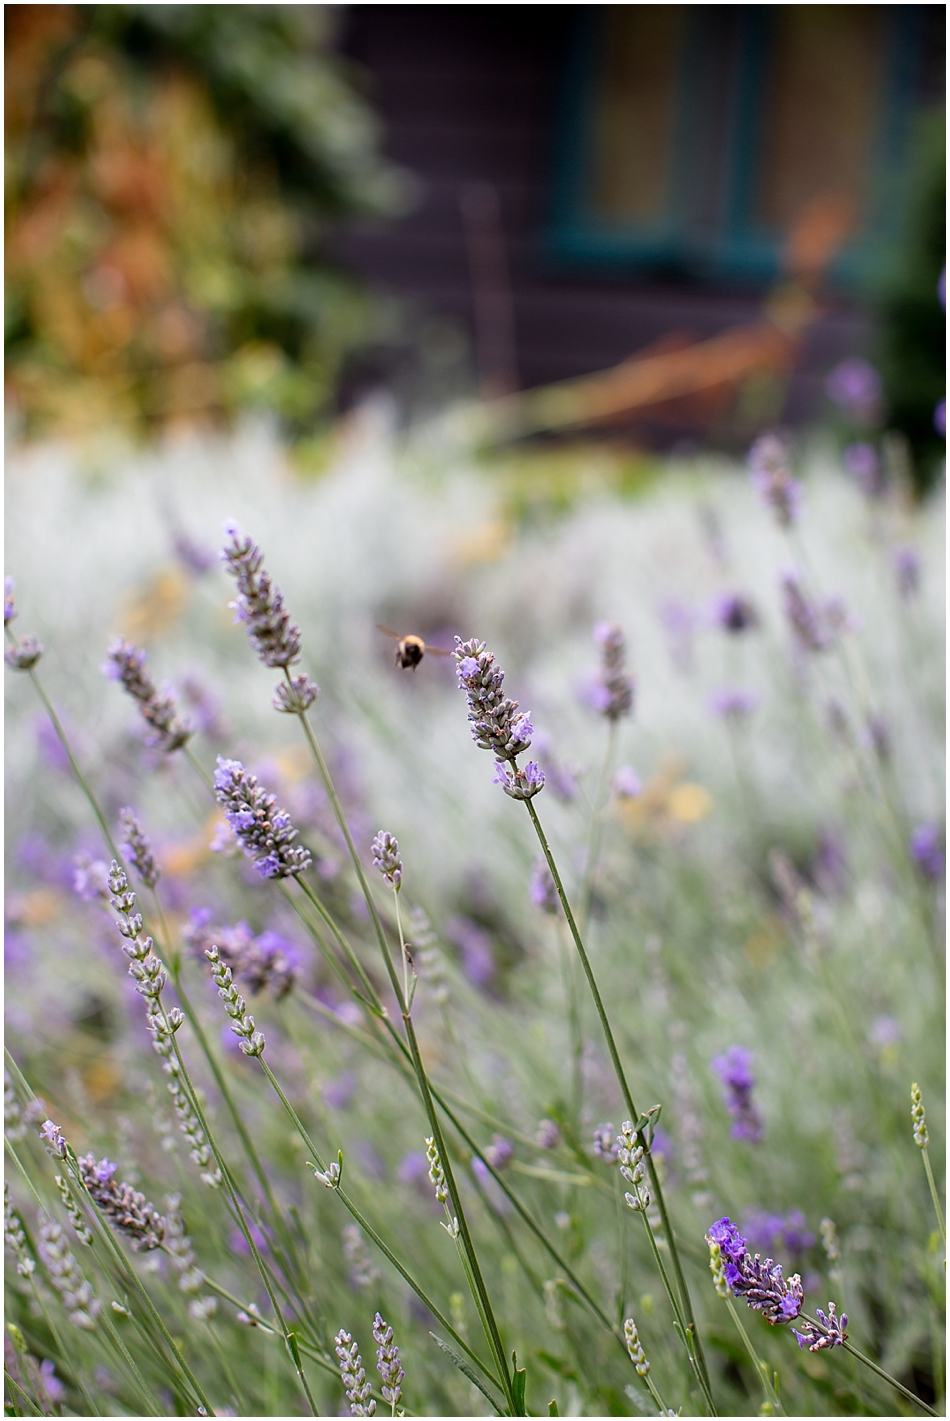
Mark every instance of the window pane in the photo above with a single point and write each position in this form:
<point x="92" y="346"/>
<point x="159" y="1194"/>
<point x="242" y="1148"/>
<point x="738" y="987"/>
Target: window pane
<point x="634" y="112"/>
<point x="821" y="100"/>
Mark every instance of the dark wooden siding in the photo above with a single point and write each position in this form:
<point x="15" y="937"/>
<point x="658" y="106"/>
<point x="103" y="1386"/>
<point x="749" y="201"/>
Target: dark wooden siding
<point x="470" y="94"/>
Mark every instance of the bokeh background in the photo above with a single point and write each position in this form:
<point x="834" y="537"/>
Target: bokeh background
<point x="470" y="315"/>
<point x="216" y="208"/>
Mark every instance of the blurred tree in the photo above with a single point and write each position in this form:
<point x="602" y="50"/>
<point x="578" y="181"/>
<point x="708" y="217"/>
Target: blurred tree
<point x="912" y="344"/>
<point x="172" y="173"/>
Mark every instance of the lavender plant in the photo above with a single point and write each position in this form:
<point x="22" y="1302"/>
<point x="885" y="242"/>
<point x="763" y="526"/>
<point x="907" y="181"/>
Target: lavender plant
<point x="789" y="915"/>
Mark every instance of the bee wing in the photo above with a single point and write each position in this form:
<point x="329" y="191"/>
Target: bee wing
<point x="437" y="650"/>
<point x="388" y="630"/>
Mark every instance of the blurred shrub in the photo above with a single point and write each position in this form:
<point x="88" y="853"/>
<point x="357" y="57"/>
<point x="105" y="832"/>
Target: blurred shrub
<point x="913" y="323"/>
<point x="172" y="175"/>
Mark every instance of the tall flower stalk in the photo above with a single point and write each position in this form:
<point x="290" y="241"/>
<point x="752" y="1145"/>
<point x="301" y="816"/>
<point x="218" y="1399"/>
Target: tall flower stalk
<point x="276" y="642"/>
<point x="495" y="726"/>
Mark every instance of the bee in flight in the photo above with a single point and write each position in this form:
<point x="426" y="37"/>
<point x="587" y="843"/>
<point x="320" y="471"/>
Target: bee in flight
<point x="411" y="649"/>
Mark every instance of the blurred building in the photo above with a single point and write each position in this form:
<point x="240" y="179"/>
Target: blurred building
<point x="596" y="179"/>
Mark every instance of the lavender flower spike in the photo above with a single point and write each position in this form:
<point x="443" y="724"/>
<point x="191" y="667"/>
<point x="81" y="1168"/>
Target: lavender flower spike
<point x="9" y="601"/>
<point x="772" y="478"/>
<point x="387" y="858"/>
<point x="128" y="1211"/>
<point x="613" y="690"/>
<point x="126" y="663"/>
<point x="733" y="1070"/>
<point x="25" y="653"/>
<point x="919" y="1117"/>
<point x="829" y="1330"/>
<point x="354" y="1376"/>
<point x="266" y="836"/>
<point x="635" y="1347"/>
<point x="495" y="723"/>
<point x="259" y="604"/>
<point x="387" y="1362"/>
<point x="82" y="1307"/>
<point x="242" y="1024"/>
<point x="140" y="849"/>
<point x="760" y="1282"/>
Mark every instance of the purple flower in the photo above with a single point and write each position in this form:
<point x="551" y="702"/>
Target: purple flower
<point x="474" y="943"/>
<point x="499" y="1153"/>
<point x="548" y="1135"/>
<point x="611" y="692"/>
<point x="815" y="626"/>
<point x="338" y="1093"/>
<point x="494" y="723"/>
<point x="927" y="851"/>
<point x="50" y="1382"/>
<point x="266" y="837"/>
<point x="732" y="703"/>
<point x="885" y="1031"/>
<point x="388" y="1364"/>
<point x="828" y="1331"/>
<point x="140" y="849"/>
<point x="196" y="559"/>
<point x="940" y="418"/>
<point x="259" y="604"/>
<point x="855" y="387"/>
<point x="862" y="463"/>
<point x="733" y="1069"/>
<point x="906" y="562"/>
<point x="734" y="612"/>
<point x="627" y="783"/>
<point x="605" y="1145"/>
<point x="771" y="1231"/>
<point x="91" y="878"/>
<point x="53" y="1139"/>
<point x="760" y="1282"/>
<point x="268" y="961"/>
<point x="543" y="891"/>
<point x="679" y="621"/>
<point x="50" y="746"/>
<point x="25" y="653"/>
<point x="772" y="478"/>
<point x="387" y="858"/>
<point x="414" y="1169"/>
<point x="126" y="664"/>
<point x="126" y="1209"/>
<point x="9" y="601"/>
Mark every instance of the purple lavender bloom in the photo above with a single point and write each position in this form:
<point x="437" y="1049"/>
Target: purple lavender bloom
<point x="388" y="1364"/>
<point x="940" y="418"/>
<point x="54" y="1141"/>
<point x="126" y="664"/>
<point x="238" y="1243"/>
<point x="734" y="613"/>
<point x="611" y="692"/>
<point x="91" y="878"/>
<point x="760" y="1282"/>
<point x="9" y="601"/>
<point x="862" y="463"/>
<point x="387" y="858"/>
<point x="627" y="783"/>
<point x="499" y="1153"/>
<point x="266" y="836"/>
<point x="126" y="1209"/>
<point x="771" y="1231"/>
<point x="140" y="848"/>
<point x="474" y="943"/>
<point x="879" y="736"/>
<point x="679" y="621"/>
<point x="494" y="721"/>
<point x="25" y="653"/>
<point x="855" y="387"/>
<point x="561" y="778"/>
<point x="206" y="707"/>
<point x="194" y="556"/>
<point x="828" y="1331"/>
<point x="733" y="1069"/>
<point x="543" y="892"/>
<point x="814" y="626"/>
<point x="548" y="1135"/>
<point x="259" y="604"/>
<point x="414" y="1169"/>
<point x="732" y="703"/>
<point x="906" y="563"/>
<point x="771" y="476"/>
<point x="605" y="1144"/>
<point x="268" y="961"/>
<point x="927" y="851"/>
<point x="885" y="1031"/>
<point x="50" y="746"/>
<point x="338" y="1093"/>
<point x="50" y="1382"/>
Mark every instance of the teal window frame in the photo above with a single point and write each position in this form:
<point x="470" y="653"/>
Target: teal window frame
<point x="738" y="250"/>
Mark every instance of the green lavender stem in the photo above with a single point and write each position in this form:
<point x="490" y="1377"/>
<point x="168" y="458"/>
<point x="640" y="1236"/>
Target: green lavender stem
<point x="925" y="1155"/>
<point x="682" y="1305"/>
<point x="879" y="1371"/>
<point x="762" y="1368"/>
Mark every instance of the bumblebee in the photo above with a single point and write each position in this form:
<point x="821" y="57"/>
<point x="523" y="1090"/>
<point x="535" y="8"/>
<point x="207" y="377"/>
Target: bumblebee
<point x="411" y="649"/>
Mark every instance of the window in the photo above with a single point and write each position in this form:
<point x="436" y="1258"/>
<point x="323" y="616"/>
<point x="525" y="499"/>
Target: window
<point x="694" y="136"/>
